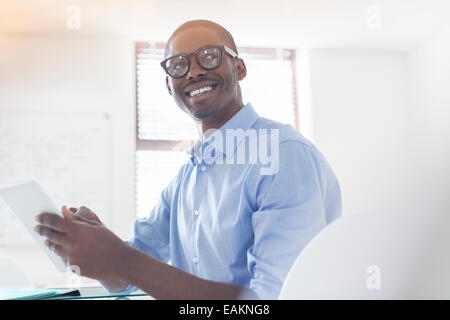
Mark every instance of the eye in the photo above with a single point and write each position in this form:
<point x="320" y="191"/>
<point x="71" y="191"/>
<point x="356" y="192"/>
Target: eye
<point x="210" y="57"/>
<point x="177" y="64"/>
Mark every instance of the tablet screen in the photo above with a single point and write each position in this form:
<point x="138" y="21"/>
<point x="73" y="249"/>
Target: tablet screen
<point x="26" y="201"/>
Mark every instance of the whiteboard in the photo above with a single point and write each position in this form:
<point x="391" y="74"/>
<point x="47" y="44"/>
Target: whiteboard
<point x="69" y="153"/>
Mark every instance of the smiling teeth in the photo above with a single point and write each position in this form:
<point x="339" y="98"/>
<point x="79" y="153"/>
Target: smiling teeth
<point x="200" y="91"/>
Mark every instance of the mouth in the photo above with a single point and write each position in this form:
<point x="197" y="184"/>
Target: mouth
<point x="200" y="91"/>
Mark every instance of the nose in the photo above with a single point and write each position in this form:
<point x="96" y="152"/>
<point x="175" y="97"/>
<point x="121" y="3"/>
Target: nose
<point x="195" y="71"/>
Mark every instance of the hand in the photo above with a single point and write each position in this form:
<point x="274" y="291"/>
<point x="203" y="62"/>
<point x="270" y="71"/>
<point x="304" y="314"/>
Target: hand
<point x="85" y="214"/>
<point x="79" y="241"/>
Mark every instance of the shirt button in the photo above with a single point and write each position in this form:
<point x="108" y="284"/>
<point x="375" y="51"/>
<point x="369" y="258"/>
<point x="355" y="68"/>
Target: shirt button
<point x="203" y="168"/>
<point x="196" y="212"/>
<point x="195" y="260"/>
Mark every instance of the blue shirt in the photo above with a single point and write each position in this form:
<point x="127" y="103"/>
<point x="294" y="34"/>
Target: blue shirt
<point x="230" y="221"/>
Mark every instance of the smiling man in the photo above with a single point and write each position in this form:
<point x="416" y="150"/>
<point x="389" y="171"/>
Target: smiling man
<point x="229" y="229"/>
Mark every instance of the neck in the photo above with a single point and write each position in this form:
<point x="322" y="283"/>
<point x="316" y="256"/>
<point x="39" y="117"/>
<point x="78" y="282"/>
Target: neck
<point x="207" y="126"/>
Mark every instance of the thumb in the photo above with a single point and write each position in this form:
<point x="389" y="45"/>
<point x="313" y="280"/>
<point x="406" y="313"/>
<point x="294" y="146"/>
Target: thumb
<point x="67" y="213"/>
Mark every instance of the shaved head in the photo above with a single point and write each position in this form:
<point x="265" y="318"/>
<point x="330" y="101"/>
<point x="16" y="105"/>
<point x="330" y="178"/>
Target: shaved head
<point x="223" y="35"/>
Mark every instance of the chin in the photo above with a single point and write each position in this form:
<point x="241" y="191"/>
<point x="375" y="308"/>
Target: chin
<point x="202" y="113"/>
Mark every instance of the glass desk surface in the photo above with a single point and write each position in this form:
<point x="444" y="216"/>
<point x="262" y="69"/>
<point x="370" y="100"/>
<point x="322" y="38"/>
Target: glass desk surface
<point x="99" y="293"/>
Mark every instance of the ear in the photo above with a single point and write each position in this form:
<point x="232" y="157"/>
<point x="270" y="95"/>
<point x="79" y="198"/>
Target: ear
<point x="241" y="69"/>
<point x="167" y="85"/>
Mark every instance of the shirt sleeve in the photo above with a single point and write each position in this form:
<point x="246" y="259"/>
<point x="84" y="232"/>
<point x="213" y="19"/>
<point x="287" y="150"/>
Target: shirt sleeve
<point x="151" y="233"/>
<point x="291" y="210"/>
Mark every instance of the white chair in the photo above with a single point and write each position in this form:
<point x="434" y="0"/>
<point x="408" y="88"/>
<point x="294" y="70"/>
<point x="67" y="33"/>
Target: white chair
<point x="390" y="255"/>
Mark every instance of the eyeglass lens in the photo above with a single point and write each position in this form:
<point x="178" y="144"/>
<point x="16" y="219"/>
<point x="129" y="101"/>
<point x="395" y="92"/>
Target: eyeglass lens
<point x="208" y="58"/>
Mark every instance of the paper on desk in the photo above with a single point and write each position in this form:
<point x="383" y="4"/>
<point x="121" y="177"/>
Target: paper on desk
<point x="26" y="294"/>
<point x="26" y="201"/>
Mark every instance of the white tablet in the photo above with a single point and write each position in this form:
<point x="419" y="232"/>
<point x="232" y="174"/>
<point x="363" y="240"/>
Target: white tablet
<point x="26" y="201"/>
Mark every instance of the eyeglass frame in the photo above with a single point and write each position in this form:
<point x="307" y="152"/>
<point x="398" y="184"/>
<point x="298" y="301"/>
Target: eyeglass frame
<point x="195" y="53"/>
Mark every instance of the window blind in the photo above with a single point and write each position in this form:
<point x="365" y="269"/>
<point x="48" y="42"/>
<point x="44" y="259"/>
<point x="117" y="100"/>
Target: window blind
<point x="154" y="170"/>
<point x="163" y="130"/>
<point x="159" y="118"/>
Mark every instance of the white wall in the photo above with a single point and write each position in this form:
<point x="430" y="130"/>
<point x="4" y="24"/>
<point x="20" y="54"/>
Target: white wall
<point x="359" y="106"/>
<point x="382" y="120"/>
<point x="72" y="74"/>
<point x="429" y="124"/>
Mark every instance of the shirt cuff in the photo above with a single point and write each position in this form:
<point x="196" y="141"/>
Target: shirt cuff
<point x="128" y="289"/>
<point x="125" y="291"/>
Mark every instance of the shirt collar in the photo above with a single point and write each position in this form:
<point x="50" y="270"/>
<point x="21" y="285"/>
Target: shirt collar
<point x="244" y="119"/>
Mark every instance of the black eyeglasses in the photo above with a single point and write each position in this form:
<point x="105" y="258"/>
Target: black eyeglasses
<point x="208" y="57"/>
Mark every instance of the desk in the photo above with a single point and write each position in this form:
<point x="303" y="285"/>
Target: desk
<point x="99" y="293"/>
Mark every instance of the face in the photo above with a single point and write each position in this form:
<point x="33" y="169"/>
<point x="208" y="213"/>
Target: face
<point x="225" y="93"/>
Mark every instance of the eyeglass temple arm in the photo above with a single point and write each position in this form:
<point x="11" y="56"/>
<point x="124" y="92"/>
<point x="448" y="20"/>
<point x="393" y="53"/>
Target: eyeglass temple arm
<point x="230" y="52"/>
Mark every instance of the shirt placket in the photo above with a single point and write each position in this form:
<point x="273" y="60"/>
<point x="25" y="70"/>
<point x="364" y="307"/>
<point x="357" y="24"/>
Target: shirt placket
<point x="201" y="171"/>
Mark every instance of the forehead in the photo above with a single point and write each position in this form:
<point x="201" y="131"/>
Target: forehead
<point x="191" y="39"/>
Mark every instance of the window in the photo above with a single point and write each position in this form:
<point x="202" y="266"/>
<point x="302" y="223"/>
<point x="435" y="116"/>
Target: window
<point x="164" y="132"/>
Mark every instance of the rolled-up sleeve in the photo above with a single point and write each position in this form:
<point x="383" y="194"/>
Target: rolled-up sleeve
<point x="151" y="233"/>
<point x="292" y="209"/>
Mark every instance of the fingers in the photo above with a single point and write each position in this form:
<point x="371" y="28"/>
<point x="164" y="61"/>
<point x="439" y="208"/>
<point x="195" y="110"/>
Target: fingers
<point x="88" y="215"/>
<point x="76" y="213"/>
<point x="52" y="235"/>
<point x="67" y="213"/>
<point x="53" y="221"/>
<point x="58" y="249"/>
<point x="83" y="214"/>
<point x="83" y="208"/>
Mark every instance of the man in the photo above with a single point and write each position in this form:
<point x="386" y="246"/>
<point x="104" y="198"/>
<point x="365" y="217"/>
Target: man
<point x="231" y="230"/>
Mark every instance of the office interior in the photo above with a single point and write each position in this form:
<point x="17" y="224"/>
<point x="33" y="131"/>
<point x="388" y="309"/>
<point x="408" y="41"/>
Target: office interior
<point x="372" y="80"/>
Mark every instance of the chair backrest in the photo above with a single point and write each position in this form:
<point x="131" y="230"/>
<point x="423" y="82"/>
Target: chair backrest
<point x="389" y="255"/>
<point x="12" y="274"/>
